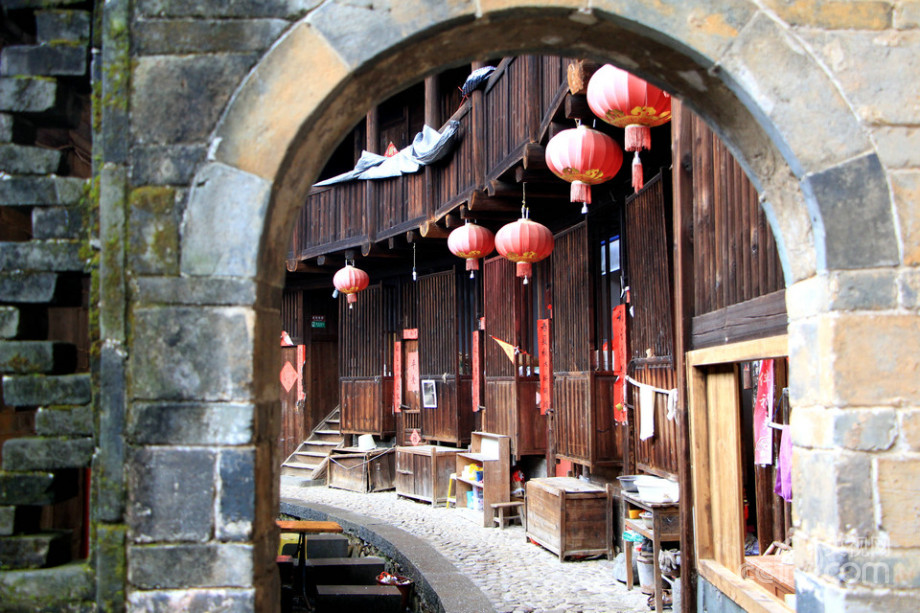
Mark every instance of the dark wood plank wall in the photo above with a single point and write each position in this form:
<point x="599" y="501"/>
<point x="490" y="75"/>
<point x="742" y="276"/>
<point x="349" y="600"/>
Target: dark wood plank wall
<point x="332" y="215"/>
<point x="292" y="315"/>
<point x="735" y="256"/>
<point x="500" y="303"/>
<point x="292" y="411"/>
<point x="651" y="330"/>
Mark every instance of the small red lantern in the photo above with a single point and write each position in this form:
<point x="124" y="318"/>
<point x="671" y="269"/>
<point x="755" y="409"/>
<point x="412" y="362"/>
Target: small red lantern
<point x="584" y="157"/>
<point x="524" y="242"/>
<point x="471" y="242"/>
<point x="626" y="101"/>
<point x="349" y="281"/>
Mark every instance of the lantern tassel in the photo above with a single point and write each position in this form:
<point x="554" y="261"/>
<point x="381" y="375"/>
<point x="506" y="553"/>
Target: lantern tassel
<point x="580" y="192"/>
<point x="638" y="137"/>
<point x="524" y="269"/>
<point x="472" y="264"/>
<point x="352" y="298"/>
<point x="637" y="179"/>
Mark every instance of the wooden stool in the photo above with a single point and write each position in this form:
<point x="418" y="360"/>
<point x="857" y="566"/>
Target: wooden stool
<point x="517" y="506"/>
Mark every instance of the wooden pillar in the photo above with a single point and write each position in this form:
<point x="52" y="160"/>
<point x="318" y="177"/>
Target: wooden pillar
<point x="477" y="131"/>
<point x="372" y="124"/>
<point x="433" y="119"/>
<point x="682" y="177"/>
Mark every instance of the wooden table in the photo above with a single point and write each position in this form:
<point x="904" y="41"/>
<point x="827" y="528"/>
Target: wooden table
<point x="570" y="517"/>
<point x="772" y="573"/>
<point x="423" y="472"/>
<point x="302" y="528"/>
<point x="361" y="470"/>
<point x="665" y="527"/>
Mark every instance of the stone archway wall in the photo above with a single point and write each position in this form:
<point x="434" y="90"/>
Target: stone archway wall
<point x="259" y="91"/>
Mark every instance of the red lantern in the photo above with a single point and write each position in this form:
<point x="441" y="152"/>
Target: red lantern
<point x="627" y="101"/>
<point x="349" y="281"/>
<point x="471" y="242"/>
<point x="524" y="242"/>
<point x="584" y="157"/>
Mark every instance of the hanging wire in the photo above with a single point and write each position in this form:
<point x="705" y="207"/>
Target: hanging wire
<point x="414" y="274"/>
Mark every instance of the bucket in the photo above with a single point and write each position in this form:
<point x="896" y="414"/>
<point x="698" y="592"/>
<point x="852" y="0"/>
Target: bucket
<point x="646" y="573"/>
<point x="403" y="584"/>
<point x="675" y="591"/>
<point x="366" y="442"/>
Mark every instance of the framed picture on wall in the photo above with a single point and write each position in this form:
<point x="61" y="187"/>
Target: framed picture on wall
<point x="429" y="394"/>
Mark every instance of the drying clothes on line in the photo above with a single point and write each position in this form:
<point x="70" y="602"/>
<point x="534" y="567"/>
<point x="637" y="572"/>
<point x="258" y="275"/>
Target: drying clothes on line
<point x="646" y="412"/>
<point x="783" y="486"/>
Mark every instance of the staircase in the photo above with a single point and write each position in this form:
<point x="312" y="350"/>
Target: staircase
<point x="308" y="462"/>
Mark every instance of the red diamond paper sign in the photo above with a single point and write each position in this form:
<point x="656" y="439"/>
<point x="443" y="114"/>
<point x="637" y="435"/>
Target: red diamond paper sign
<point x="415" y="438"/>
<point x="288" y="376"/>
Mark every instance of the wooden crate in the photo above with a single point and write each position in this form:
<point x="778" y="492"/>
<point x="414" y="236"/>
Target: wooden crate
<point x="570" y="517"/>
<point x="361" y="471"/>
<point x="423" y="472"/>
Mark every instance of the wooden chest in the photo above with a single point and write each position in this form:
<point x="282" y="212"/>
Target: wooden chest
<point x="361" y="471"/>
<point x="570" y="517"/>
<point x="423" y="472"/>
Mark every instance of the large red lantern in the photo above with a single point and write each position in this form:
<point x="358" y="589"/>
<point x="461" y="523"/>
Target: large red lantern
<point x="471" y="242"/>
<point x="584" y="157"/>
<point x="524" y="242"/>
<point x="349" y="281"/>
<point x="627" y="101"/>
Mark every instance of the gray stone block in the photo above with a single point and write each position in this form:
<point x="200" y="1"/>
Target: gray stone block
<point x="152" y="567"/>
<point x="25" y="160"/>
<point x="908" y="289"/>
<point x="24" y="357"/>
<point x="37" y="488"/>
<point x="9" y="322"/>
<point x="196" y="291"/>
<point x="344" y="571"/>
<point x="327" y="546"/>
<point x="30" y="287"/>
<point x="191" y="424"/>
<point x="57" y="222"/>
<point x="171" y="494"/>
<point x="172" y="367"/>
<point x="166" y="164"/>
<point x="110" y="558"/>
<point x="109" y="463"/>
<point x="27" y="95"/>
<point x="35" y="390"/>
<point x="41" y="191"/>
<point x="64" y="421"/>
<point x="43" y="60"/>
<point x="50" y="255"/>
<point x="58" y="25"/>
<point x="15" y="129"/>
<point x="34" y="550"/>
<point x="226" y="600"/>
<point x="181" y="36"/>
<point x="58" y="588"/>
<point x="153" y="231"/>
<point x="7" y="520"/>
<point x="239" y="8"/>
<point x="47" y="453"/>
<point x="179" y="99"/>
<point x="230" y="248"/>
<point x="856" y="215"/>
<point x="6" y="128"/>
<point x="236" y="501"/>
<point x="36" y="4"/>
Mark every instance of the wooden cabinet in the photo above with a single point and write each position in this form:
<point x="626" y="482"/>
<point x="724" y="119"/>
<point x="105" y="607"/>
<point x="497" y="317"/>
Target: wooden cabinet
<point x="423" y="472"/>
<point x="570" y="517"/>
<point x="491" y="452"/>
<point x="665" y="526"/>
<point x="360" y="470"/>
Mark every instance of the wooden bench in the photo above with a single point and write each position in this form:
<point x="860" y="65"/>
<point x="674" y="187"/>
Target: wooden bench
<point x="516" y="506"/>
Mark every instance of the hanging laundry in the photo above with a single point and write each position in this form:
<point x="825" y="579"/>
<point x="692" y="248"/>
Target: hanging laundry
<point x="783" y="486"/>
<point x="646" y="412"/>
<point x="763" y="415"/>
<point x="672" y="404"/>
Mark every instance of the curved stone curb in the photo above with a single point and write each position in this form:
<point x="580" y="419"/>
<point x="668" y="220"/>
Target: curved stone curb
<point x="440" y="582"/>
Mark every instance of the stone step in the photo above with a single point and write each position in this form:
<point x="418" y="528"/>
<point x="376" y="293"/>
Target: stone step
<point x="37" y="488"/>
<point x="322" y="546"/>
<point x="27" y="287"/>
<point x="58" y="25"/>
<point x="35" y="550"/>
<point x="59" y="588"/>
<point x="19" y="520"/>
<point x="344" y="571"/>
<point x="57" y="222"/>
<point x="39" y="97"/>
<point x="38" y="390"/>
<point x="26" y="160"/>
<point x="326" y="435"/>
<point x="41" y="191"/>
<point x="358" y="599"/>
<point x="48" y="255"/>
<point x="64" y="421"/>
<point x="59" y="60"/>
<point x="24" y="357"/>
<point x="47" y="453"/>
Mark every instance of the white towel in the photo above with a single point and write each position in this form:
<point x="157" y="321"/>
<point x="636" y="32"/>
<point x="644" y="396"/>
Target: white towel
<point x="672" y="404"/>
<point x="646" y="412"/>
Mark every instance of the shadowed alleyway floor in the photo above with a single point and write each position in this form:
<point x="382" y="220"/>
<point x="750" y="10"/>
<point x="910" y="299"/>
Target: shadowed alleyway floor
<point x="515" y="575"/>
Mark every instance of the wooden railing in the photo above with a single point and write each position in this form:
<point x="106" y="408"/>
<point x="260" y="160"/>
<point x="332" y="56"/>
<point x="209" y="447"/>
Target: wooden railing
<point x="495" y="125"/>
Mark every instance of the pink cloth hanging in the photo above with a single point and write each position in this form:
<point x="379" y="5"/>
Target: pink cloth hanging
<point x="783" y="486"/>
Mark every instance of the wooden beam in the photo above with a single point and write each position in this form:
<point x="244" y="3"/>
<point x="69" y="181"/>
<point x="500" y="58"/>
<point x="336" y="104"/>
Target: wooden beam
<point x="534" y="157"/>
<point x="579" y="73"/>
<point x="431" y="229"/>
<point x="329" y="260"/>
<point x="374" y="250"/>
<point x="480" y="201"/>
<point x="522" y="175"/>
<point x="576" y="107"/>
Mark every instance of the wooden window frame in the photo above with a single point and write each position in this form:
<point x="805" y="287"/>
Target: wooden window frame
<point x="719" y="515"/>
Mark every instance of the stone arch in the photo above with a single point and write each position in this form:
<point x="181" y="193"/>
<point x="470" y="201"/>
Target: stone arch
<point x="819" y="177"/>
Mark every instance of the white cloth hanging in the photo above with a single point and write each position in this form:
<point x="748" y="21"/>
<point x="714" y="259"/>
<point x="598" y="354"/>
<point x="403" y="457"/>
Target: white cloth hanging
<point x="646" y="412"/>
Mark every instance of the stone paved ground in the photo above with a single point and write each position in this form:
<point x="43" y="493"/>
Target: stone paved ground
<point x="516" y="576"/>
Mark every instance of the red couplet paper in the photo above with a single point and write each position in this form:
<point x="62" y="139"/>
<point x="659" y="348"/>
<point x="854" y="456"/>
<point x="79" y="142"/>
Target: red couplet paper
<point x="397" y="377"/>
<point x="763" y="414"/>
<point x="546" y="365"/>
